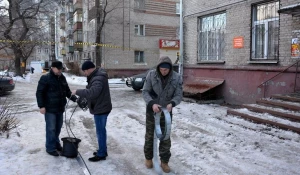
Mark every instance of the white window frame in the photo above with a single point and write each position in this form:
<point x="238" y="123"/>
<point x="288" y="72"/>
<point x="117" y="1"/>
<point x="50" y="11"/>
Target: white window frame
<point x="139" y="59"/>
<point x="264" y="22"/>
<point x="211" y="26"/>
<point x="139" y="30"/>
<point x="178" y="8"/>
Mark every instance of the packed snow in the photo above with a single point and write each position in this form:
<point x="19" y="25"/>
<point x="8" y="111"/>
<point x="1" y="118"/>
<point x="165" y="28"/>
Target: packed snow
<point x="205" y="141"/>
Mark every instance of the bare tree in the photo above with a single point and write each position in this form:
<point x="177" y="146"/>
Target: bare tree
<point x="22" y="22"/>
<point x="103" y="9"/>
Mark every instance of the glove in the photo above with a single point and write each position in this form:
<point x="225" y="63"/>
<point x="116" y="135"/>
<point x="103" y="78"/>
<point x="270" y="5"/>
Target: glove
<point x="73" y="98"/>
<point x="82" y="103"/>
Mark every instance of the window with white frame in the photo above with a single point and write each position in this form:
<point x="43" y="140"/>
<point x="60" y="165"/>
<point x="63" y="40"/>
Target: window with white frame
<point x="265" y="31"/>
<point x="139" y="57"/>
<point x="139" y="30"/>
<point x="211" y="37"/>
<point x="139" y="4"/>
<point x="178" y="8"/>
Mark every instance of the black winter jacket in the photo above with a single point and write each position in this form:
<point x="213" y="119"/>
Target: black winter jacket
<point x="52" y="91"/>
<point x="97" y="93"/>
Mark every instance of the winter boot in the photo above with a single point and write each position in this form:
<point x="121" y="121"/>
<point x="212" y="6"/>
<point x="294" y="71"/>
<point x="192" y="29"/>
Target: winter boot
<point x="149" y="163"/>
<point x="165" y="167"/>
<point x="96" y="158"/>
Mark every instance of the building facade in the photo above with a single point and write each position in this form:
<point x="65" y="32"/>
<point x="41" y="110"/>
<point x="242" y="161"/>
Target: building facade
<point x="246" y="45"/>
<point x="134" y="35"/>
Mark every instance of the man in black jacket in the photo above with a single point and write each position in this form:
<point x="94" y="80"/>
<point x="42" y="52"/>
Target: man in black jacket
<point x="99" y="102"/>
<point x="51" y="96"/>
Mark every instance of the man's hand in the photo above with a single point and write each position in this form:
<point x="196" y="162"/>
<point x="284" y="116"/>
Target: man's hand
<point x="43" y="110"/>
<point x="156" y="107"/>
<point x="169" y="107"/>
<point x="74" y="92"/>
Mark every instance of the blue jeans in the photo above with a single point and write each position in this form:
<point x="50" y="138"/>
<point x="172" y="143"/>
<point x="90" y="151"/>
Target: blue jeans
<point x="54" y="122"/>
<point x="100" y="123"/>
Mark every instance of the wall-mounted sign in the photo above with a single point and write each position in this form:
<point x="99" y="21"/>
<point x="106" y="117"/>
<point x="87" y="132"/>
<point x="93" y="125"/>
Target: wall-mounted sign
<point x="295" y="47"/>
<point x="238" y="42"/>
<point x="168" y="44"/>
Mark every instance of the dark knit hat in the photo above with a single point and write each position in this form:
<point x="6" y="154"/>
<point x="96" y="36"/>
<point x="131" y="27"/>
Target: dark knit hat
<point x="57" y="64"/>
<point x="165" y="65"/>
<point x="87" y="65"/>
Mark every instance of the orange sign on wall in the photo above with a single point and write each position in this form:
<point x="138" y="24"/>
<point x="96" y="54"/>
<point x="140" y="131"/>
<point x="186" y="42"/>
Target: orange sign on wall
<point x="238" y="42"/>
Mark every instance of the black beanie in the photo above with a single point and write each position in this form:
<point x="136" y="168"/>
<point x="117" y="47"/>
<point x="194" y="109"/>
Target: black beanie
<point x="165" y="65"/>
<point x="57" y="64"/>
<point x="87" y="65"/>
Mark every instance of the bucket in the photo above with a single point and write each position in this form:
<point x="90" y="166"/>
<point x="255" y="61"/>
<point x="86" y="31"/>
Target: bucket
<point x="70" y="147"/>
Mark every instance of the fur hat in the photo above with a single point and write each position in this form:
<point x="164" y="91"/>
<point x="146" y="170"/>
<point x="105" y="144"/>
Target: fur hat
<point x="87" y="65"/>
<point x="57" y="64"/>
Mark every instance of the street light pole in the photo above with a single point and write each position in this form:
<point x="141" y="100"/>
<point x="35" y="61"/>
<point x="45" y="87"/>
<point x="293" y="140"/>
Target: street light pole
<point x="180" y="68"/>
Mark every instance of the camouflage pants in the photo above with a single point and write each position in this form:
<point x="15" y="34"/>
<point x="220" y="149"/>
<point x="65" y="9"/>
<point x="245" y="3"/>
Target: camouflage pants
<point x="164" y="146"/>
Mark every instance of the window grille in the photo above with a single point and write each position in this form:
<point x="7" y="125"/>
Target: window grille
<point x="211" y="37"/>
<point x="265" y="31"/>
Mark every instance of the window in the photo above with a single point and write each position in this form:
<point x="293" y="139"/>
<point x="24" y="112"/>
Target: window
<point x="39" y="50"/>
<point x="211" y="37"/>
<point x="78" y="36"/>
<point x="139" y="30"/>
<point x="139" y="4"/>
<point x="46" y="50"/>
<point x="139" y="57"/>
<point x="265" y="31"/>
<point x="77" y="17"/>
<point x="178" y="8"/>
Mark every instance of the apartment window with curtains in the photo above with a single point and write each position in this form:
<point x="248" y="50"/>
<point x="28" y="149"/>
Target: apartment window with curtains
<point x="211" y="37"/>
<point x="265" y="31"/>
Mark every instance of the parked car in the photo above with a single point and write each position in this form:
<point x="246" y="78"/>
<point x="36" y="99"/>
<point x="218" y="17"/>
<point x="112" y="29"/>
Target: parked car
<point x="6" y="83"/>
<point x="137" y="81"/>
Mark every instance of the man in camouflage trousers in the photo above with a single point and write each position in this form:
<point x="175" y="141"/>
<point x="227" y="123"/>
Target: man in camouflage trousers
<point x="162" y="88"/>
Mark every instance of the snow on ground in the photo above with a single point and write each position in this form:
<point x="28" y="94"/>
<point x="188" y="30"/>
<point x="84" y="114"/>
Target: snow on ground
<point x="204" y="139"/>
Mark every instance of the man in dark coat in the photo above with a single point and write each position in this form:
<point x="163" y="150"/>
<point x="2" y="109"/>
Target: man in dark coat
<point x="98" y="97"/>
<point x="162" y="88"/>
<point x="51" y="96"/>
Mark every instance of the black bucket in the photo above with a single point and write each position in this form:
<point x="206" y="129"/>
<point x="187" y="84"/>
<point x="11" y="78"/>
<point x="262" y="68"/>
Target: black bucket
<point x="70" y="147"/>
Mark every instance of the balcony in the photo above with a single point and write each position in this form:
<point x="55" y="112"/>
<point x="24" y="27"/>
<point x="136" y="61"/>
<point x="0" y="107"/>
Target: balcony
<point x="70" y="34"/>
<point x="78" y="46"/>
<point x="77" y="26"/>
<point x="78" y="36"/>
<point x="77" y="4"/>
<point x="62" y="39"/>
<point x="63" y="51"/>
<point x="70" y="49"/>
<point x="70" y="16"/>
<point x="62" y="21"/>
<point x="92" y="13"/>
